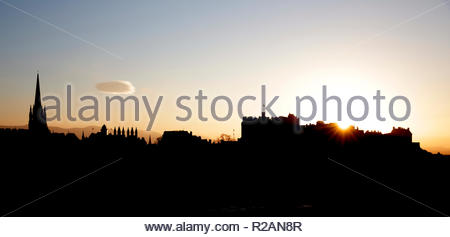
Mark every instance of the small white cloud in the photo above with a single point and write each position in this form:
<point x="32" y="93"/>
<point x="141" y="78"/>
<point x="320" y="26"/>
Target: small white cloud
<point x="116" y="87"/>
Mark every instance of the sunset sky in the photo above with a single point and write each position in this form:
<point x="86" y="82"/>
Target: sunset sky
<point x="175" y="48"/>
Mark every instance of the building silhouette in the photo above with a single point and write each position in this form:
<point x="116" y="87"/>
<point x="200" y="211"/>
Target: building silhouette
<point x="37" y="118"/>
<point x="181" y="138"/>
<point x="262" y="129"/>
<point x="115" y="137"/>
<point x="287" y="131"/>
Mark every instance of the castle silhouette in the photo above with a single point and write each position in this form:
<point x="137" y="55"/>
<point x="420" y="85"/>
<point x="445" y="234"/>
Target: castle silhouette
<point x="276" y="168"/>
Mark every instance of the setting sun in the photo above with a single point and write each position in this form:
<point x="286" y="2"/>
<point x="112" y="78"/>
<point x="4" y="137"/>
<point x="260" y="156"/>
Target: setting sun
<point x="344" y="125"/>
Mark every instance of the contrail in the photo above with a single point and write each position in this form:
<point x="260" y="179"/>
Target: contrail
<point x="404" y="22"/>
<point x="62" y="30"/>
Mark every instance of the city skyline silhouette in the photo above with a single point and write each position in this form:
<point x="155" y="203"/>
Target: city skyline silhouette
<point x="276" y="168"/>
<point x="38" y="112"/>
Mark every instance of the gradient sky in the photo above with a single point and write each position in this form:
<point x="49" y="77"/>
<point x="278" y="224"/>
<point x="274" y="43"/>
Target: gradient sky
<point x="174" y="48"/>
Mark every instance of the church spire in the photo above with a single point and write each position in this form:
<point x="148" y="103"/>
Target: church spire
<point x="37" y="96"/>
<point x="37" y="122"/>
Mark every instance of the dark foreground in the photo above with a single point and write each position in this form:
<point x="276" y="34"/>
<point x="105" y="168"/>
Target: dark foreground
<point x="53" y="177"/>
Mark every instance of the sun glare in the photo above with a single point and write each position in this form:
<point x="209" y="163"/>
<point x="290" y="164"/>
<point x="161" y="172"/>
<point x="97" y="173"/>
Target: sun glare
<point x="343" y="125"/>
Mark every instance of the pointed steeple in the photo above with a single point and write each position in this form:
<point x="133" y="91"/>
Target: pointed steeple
<point x="37" y="95"/>
<point x="37" y="122"/>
